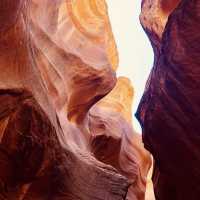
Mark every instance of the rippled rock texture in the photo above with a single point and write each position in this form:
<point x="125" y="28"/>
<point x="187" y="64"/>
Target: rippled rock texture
<point x="114" y="141"/>
<point x="169" y="109"/>
<point x="57" y="60"/>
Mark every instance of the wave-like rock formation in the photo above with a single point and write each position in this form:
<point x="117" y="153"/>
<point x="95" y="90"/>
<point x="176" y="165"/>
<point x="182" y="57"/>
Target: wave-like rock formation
<point x="169" y="109"/>
<point x="57" y="60"/>
<point x="114" y="141"/>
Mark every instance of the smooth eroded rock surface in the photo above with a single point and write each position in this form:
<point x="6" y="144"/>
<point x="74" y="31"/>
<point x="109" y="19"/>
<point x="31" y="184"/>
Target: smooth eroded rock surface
<point x="57" y="60"/>
<point x="45" y="85"/>
<point x="114" y="140"/>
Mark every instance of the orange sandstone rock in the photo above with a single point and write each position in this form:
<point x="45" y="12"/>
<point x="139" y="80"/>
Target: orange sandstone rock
<point x="114" y="140"/>
<point x="42" y="85"/>
<point x="57" y="60"/>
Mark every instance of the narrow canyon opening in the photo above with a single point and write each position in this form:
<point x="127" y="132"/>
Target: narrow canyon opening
<point x="67" y="121"/>
<point x="134" y="48"/>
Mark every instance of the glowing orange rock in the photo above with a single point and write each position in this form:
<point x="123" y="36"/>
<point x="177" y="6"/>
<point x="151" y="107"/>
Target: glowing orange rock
<point x="81" y="31"/>
<point x="115" y="142"/>
<point x="44" y="82"/>
<point x="82" y="28"/>
<point x="57" y="60"/>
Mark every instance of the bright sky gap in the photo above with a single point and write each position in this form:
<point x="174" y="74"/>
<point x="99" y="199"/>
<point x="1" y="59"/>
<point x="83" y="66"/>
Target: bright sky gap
<point x="135" y="51"/>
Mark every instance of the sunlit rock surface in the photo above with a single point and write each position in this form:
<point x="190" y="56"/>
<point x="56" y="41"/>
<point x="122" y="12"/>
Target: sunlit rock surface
<point x="81" y="27"/>
<point x="43" y="84"/>
<point x="115" y="142"/>
<point x="169" y="109"/>
<point x="82" y="30"/>
<point x="57" y="60"/>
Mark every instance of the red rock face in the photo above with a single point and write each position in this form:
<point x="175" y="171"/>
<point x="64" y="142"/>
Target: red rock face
<point x="169" y="108"/>
<point x="57" y="60"/>
<point x="9" y="13"/>
<point x="168" y="5"/>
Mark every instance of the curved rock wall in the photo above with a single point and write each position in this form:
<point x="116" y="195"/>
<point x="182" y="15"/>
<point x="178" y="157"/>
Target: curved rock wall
<point x="114" y="140"/>
<point x="57" y="60"/>
<point x="169" y="109"/>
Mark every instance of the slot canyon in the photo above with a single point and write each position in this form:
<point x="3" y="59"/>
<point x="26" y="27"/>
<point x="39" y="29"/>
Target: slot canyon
<point x="66" y="117"/>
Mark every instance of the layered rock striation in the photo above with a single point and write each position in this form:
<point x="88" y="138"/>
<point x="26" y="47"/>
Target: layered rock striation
<point x="114" y="140"/>
<point x="57" y="60"/>
<point x="169" y="109"/>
